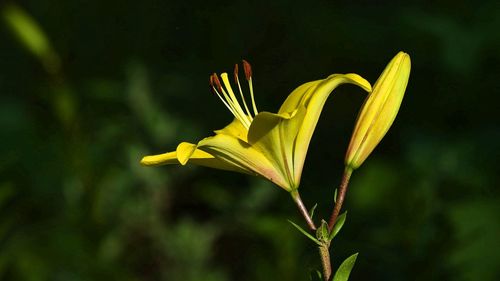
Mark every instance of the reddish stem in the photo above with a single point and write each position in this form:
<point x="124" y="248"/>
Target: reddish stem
<point x="340" y="197"/>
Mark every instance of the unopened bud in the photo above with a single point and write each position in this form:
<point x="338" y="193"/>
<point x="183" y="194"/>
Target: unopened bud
<point x="379" y="110"/>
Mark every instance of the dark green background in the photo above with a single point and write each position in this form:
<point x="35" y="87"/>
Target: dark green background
<point x="76" y="205"/>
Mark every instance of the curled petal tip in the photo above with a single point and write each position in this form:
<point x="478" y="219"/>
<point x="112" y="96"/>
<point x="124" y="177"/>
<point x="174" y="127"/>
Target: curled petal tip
<point x="160" y="159"/>
<point x="360" y="81"/>
<point x="184" y="151"/>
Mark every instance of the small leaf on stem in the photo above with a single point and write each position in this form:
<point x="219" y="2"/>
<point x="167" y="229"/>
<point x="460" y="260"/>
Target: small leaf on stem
<point x="338" y="225"/>
<point x="305" y="233"/>
<point x="322" y="232"/>
<point x="311" y="212"/>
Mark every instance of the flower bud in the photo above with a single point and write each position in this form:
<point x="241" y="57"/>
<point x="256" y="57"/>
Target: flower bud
<point x="379" y="110"/>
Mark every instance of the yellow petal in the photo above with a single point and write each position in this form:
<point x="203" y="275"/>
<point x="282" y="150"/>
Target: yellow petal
<point x="274" y="135"/>
<point x="160" y="159"/>
<point x="294" y="99"/>
<point x="235" y="129"/>
<point x="379" y="110"/>
<point x="314" y="99"/>
<point x="173" y="157"/>
<point x="198" y="157"/>
<point x="237" y="153"/>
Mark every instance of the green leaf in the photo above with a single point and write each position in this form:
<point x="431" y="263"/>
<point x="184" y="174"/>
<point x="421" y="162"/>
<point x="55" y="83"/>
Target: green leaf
<point x="311" y="212"/>
<point x="335" y="196"/>
<point x="322" y="232"/>
<point x="305" y="233"/>
<point x="345" y="268"/>
<point x="338" y="225"/>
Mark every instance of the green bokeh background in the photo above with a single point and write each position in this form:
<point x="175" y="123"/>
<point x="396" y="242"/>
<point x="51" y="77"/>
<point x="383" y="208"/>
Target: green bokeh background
<point x="116" y="80"/>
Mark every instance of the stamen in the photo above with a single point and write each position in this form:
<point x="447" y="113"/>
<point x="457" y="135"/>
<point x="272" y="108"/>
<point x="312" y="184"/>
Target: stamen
<point x="248" y="76"/>
<point x="236" y="105"/>
<point x="237" y="81"/>
<point x="228" y="98"/>
<point x="219" y="95"/>
<point x="229" y="101"/>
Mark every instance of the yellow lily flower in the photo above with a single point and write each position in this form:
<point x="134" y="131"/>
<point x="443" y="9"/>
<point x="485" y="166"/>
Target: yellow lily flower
<point x="379" y="110"/>
<point x="270" y="145"/>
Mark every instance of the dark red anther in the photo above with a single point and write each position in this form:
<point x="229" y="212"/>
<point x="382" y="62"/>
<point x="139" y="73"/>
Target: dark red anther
<point x="236" y="73"/>
<point x="211" y="83"/>
<point x="215" y="80"/>
<point x="248" y="70"/>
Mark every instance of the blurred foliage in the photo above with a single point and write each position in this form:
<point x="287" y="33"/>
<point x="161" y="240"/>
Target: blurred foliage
<point x="88" y="88"/>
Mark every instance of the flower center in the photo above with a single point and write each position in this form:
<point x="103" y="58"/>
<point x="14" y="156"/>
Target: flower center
<point x="227" y="96"/>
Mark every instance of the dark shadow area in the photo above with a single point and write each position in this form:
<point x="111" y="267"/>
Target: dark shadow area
<point x="89" y="87"/>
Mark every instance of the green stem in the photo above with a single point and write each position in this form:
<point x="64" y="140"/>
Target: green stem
<point x="340" y="197"/>
<point x="324" y="253"/>
<point x="303" y="209"/>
